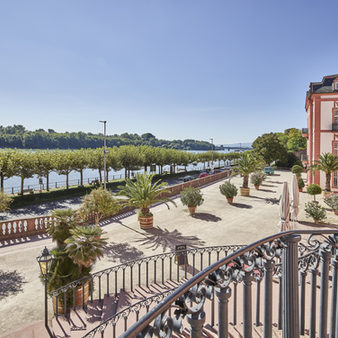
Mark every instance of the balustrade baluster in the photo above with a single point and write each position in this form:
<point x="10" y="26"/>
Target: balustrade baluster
<point x="333" y="324"/>
<point x="268" y="270"/>
<point x="193" y="264"/>
<point x="223" y="295"/>
<point x="131" y="278"/>
<point x="65" y="303"/>
<point x="124" y="279"/>
<point x="280" y="303"/>
<point x="302" y="302"/>
<point x="258" y="301"/>
<point x="201" y="261"/>
<point x="108" y="284"/>
<point x="155" y="271"/>
<point x="177" y="271"/>
<point x="170" y="268"/>
<point x="213" y="308"/>
<point x="324" y="256"/>
<point x="57" y="306"/>
<point x="209" y="258"/>
<point x="83" y="297"/>
<point x="114" y="330"/>
<point x="100" y="298"/>
<point x="247" y="305"/>
<point x="313" y="305"/>
<point x="125" y="323"/>
<point x="115" y="283"/>
<point x="74" y="306"/>
<point x="91" y="290"/>
<point x="147" y="277"/>
<point x="162" y="270"/>
<point x="290" y="287"/>
<point x="139" y="274"/>
<point x="235" y="304"/>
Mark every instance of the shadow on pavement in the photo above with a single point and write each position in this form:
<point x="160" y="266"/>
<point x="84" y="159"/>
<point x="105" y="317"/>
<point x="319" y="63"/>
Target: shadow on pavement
<point x="10" y="283"/>
<point x="241" y="205"/>
<point x="122" y="252"/>
<point x="165" y="239"/>
<point x="204" y="216"/>
<point x="319" y="225"/>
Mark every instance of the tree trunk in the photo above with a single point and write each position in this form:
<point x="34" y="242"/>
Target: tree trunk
<point x="125" y="173"/>
<point x="245" y="181"/>
<point x="100" y="175"/>
<point x="67" y="180"/>
<point x="22" y="180"/>
<point x="2" y="182"/>
<point x="145" y="168"/>
<point x="328" y="182"/>
<point x="47" y="181"/>
<point x="81" y="177"/>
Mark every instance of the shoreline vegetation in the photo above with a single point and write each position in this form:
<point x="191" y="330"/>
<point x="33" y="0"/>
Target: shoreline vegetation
<point x="17" y="136"/>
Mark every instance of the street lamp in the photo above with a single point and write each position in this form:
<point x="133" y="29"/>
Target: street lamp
<point x="45" y="261"/>
<point x="212" y="153"/>
<point x="104" y="154"/>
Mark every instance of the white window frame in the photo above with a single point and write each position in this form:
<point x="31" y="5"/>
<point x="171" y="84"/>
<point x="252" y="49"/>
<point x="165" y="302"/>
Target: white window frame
<point x="335" y="148"/>
<point x="335" y="179"/>
<point x="336" y="86"/>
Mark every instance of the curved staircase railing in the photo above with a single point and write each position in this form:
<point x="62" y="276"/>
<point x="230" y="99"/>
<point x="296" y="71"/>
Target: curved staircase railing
<point x="285" y="260"/>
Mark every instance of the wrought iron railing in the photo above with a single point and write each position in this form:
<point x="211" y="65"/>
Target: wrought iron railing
<point x="284" y="256"/>
<point x="141" y="272"/>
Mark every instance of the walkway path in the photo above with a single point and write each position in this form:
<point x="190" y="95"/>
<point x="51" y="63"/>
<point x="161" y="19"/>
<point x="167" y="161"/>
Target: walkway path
<point x="216" y="223"/>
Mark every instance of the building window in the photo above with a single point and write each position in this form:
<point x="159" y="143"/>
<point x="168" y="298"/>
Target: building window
<point x="335" y="148"/>
<point x="335" y="116"/>
<point x="336" y="85"/>
<point x="335" y="179"/>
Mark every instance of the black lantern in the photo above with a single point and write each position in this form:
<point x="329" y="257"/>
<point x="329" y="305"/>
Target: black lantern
<point x="45" y="261"/>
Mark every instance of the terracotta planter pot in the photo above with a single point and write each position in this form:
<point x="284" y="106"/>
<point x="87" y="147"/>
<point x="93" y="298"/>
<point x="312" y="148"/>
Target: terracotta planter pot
<point x="146" y="222"/>
<point x="256" y="187"/>
<point x="335" y="212"/>
<point x="326" y="193"/>
<point x="300" y="189"/>
<point x="230" y="199"/>
<point x="244" y="191"/>
<point x="81" y="298"/>
<point x="192" y="210"/>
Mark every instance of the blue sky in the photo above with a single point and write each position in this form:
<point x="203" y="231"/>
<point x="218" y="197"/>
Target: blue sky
<point x="230" y="70"/>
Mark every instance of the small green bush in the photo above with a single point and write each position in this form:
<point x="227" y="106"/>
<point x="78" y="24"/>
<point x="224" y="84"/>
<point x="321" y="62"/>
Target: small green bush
<point x="5" y="202"/>
<point x="314" y="189"/>
<point x="301" y="183"/>
<point x="297" y="169"/>
<point x="257" y="178"/>
<point x="332" y="201"/>
<point x="191" y="197"/>
<point x="317" y="212"/>
<point x="228" y="189"/>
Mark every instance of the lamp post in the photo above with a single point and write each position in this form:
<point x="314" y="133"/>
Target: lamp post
<point x="212" y="154"/>
<point x="45" y="261"/>
<point x="104" y="154"/>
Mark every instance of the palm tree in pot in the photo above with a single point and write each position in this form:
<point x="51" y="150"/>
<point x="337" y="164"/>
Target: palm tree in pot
<point x="229" y="190"/>
<point x="192" y="198"/>
<point x="246" y="165"/>
<point x="327" y="163"/>
<point x="142" y="193"/>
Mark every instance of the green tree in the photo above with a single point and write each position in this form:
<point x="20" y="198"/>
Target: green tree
<point x="5" y="201"/>
<point x="293" y="140"/>
<point x="269" y="147"/>
<point x="7" y="166"/>
<point x="247" y="165"/>
<point x="45" y="164"/>
<point x="80" y="162"/>
<point x="130" y="158"/>
<point x="328" y="164"/>
<point x="65" y="164"/>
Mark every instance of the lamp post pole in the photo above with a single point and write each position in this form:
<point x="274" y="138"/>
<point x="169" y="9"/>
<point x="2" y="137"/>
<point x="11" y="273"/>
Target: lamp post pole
<point x="104" y="154"/>
<point x="212" y="153"/>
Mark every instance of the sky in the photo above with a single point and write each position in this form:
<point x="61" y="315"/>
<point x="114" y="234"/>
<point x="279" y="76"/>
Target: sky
<point x="179" y="69"/>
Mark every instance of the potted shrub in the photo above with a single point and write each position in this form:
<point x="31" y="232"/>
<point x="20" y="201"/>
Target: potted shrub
<point x="78" y="247"/>
<point x="257" y="179"/>
<point x="301" y="184"/>
<point x="192" y="198"/>
<point x="297" y="169"/>
<point x="229" y="190"/>
<point x="314" y="189"/>
<point x="332" y="201"/>
<point x="246" y="165"/>
<point x="317" y="212"/>
<point x="99" y="204"/>
<point x="142" y="193"/>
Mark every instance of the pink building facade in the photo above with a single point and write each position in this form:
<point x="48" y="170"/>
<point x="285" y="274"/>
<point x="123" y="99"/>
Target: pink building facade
<point x="322" y="125"/>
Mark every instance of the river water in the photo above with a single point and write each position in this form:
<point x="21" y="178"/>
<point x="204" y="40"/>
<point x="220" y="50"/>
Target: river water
<point x="12" y="185"/>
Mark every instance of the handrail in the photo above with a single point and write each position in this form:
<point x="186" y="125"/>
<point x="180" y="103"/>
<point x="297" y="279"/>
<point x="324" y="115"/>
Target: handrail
<point x="217" y="248"/>
<point x="199" y="277"/>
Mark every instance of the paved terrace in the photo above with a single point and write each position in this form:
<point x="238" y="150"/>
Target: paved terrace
<point x="216" y="223"/>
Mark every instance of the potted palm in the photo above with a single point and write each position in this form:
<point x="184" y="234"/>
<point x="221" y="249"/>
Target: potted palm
<point x="192" y="198"/>
<point x="246" y="165"/>
<point x="99" y="204"/>
<point x="327" y="163"/>
<point x="257" y="179"/>
<point x="78" y="247"/>
<point x="142" y="193"/>
<point x="229" y="190"/>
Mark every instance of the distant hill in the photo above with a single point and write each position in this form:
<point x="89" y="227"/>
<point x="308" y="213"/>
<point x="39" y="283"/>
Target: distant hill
<point x="18" y="136"/>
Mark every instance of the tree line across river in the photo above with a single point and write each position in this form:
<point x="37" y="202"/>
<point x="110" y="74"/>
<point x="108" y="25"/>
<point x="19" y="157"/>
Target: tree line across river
<point x="18" y="136"/>
<point x="26" y="164"/>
